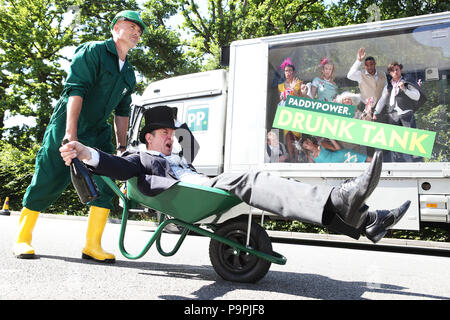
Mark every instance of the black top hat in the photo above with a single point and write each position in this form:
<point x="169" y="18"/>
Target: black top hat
<point x="157" y="118"/>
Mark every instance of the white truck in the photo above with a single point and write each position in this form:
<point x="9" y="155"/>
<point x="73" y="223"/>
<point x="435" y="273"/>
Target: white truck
<point x="230" y="112"/>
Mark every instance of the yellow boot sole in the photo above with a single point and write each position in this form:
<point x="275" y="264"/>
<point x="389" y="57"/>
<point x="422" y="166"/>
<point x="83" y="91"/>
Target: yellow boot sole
<point x="102" y="257"/>
<point x="23" y="251"/>
<point x="87" y="257"/>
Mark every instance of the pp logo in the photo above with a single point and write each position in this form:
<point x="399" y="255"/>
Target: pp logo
<point x="197" y="119"/>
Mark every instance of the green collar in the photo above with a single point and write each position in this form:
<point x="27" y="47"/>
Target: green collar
<point x="111" y="46"/>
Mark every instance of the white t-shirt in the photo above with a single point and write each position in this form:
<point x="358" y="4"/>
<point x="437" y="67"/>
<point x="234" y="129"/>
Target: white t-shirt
<point x="121" y="63"/>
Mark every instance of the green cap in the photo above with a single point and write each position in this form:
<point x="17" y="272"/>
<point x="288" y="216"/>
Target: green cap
<point x="130" y="15"/>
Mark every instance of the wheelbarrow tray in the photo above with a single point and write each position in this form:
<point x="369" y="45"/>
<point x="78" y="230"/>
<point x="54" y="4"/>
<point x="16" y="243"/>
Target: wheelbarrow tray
<point x="188" y="204"/>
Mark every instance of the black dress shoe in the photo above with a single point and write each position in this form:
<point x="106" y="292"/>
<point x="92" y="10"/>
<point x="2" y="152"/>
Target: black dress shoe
<point x="381" y="221"/>
<point x="350" y="196"/>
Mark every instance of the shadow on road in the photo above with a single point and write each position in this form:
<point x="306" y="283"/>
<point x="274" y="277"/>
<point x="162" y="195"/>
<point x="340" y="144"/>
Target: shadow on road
<point x="297" y="285"/>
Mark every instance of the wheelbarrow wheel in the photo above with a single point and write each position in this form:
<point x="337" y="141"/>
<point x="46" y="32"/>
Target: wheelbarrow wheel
<point x="237" y="266"/>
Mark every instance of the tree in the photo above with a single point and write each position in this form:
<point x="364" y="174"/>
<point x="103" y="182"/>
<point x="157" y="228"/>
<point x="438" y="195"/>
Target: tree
<point x="32" y="37"/>
<point x="345" y="12"/>
<point x="230" y="20"/>
<point x="161" y="52"/>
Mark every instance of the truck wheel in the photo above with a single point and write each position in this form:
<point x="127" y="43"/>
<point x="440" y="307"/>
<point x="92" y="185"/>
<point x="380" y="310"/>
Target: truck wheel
<point x="242" y="266"/>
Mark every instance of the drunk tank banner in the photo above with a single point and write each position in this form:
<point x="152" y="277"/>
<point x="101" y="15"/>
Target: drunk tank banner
<point x="373" y="134"/>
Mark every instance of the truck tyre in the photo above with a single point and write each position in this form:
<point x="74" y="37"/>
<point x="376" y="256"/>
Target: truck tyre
<point x="240" y="267"/>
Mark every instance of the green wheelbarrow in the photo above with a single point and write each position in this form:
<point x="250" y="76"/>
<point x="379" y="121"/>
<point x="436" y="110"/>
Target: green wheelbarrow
<point x="240" y="250"/>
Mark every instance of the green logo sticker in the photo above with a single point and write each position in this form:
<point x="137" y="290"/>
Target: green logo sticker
<point x="197" y="119"/>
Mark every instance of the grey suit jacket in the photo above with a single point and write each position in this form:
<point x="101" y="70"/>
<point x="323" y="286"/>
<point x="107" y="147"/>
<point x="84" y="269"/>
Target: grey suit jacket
<point x="153" y="172"/>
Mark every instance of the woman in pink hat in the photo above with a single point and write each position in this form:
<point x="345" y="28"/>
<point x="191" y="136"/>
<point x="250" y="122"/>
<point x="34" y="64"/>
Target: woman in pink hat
<point x="324" y="86"/>
<point x="292" y="86"/>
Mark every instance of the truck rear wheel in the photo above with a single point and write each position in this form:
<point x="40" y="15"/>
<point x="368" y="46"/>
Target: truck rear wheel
<point x="236" y="266"/>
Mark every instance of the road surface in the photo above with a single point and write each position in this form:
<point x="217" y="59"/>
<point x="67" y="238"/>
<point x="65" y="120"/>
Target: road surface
<point x="311" y="272"/>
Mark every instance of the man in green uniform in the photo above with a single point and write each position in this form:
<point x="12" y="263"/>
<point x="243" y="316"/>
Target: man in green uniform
<point x="100" y="81"/>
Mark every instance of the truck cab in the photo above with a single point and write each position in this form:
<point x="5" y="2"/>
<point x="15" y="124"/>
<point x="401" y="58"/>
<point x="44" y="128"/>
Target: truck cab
<point x="200" y="101"/>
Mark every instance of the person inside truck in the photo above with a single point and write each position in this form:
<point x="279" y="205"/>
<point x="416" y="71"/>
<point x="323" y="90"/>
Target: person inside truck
<point x="403" y="95"/>
<point x="319" y="152"/>
<point x="402" y="98"/>
<point x="340" y="208"/>
<point x="275" y="150"/>
<point x="354" y="99"/>
<point x="292" y="86"/>
<point x="371" y="82"/>
<point x="349" y="98"/>
<point x="324" y="85"/>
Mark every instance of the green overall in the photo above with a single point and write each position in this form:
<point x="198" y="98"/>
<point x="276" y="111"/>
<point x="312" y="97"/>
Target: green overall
<point x="94" y="75"/>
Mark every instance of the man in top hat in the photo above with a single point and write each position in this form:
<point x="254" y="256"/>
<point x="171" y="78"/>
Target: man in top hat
<point x="342" y="208"/>
<point x="100" y="82"/>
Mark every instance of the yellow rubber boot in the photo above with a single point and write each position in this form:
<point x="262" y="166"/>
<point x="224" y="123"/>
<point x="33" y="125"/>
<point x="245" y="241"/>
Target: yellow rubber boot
<point x="96" y="224"/>
<point x="22" y="249"/>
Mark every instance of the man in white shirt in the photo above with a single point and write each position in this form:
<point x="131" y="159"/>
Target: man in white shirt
<point x="371" y="82"/>
<point x="402" y="99"/>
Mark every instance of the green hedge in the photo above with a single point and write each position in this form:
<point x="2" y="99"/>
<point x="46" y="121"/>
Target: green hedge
<point x="427" y="232"/>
